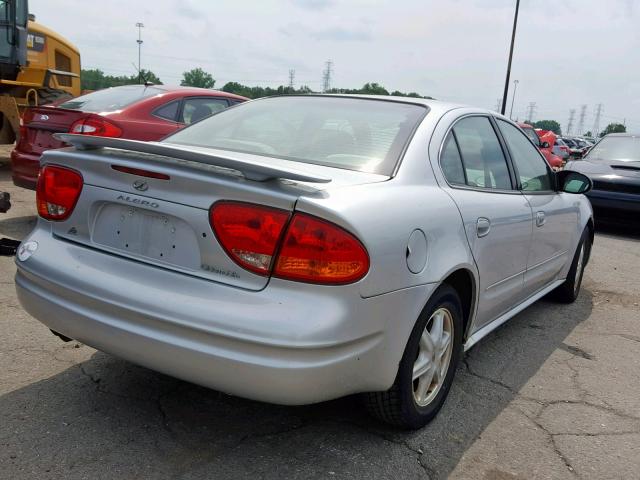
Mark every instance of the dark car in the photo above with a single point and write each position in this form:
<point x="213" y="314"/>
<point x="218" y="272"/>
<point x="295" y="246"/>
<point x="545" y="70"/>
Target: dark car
<point x="135" y="112"/>
<point x="613" y="165"/>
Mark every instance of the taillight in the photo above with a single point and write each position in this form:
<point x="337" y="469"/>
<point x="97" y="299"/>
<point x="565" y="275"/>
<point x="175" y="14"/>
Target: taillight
<point x="318" y="251"/>
<point x="311" y="250"/>
<point x="249" y="233"/>
<point x="96" y="126"/>
<point x="57" y="192"/>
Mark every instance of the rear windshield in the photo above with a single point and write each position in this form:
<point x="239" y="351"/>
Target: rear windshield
<point x="110" y="99"/>
<point x="616" y="148"/>
<point x="350" y="133"/>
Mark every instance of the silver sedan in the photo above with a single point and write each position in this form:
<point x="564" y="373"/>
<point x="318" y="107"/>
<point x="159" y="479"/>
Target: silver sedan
<point x="298" y="249"/>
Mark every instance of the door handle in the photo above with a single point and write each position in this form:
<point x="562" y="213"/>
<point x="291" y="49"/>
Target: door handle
<point x="483" y="226"/>
<point x="540" y="219"/>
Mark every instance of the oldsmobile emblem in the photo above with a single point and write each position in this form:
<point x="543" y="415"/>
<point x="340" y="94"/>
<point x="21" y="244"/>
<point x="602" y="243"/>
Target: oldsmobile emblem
<point x="140" y="185"/>
<point x="44" y="117"/>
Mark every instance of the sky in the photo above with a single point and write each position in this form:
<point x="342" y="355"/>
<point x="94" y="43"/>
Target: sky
<point x="568" y="53"/>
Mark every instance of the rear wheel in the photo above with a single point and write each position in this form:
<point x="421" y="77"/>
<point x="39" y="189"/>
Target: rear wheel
<point x="427" y="367"/>
<point x="568" y="292"/>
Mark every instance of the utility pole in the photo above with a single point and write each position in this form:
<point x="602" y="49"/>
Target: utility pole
<point x="513" y="98"/>
<point x="513" y="39"/>
<point x="140" y="26"/>
<point x="531" y="111"/>
<point x="596" y="122"/>
<point x="326" y="76"/>
<point x="572" y="114"/>
<point x="583" y="112"/>
<point x="292" y="79"/>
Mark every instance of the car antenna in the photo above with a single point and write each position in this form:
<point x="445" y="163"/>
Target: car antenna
<point x="146" y="82"/>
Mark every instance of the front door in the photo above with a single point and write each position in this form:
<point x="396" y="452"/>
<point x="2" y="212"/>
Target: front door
<point x="497" y="217"/>
<point x="555" y="215"/>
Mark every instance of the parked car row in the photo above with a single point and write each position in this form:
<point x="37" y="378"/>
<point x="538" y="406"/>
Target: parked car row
<point x="578" y="147"/>
<point x="296" y="249"/>
<point x="545" y="141"/>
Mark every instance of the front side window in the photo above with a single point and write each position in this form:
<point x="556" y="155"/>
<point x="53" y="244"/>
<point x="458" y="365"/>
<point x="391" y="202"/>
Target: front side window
<point x="531" y="168"/>
<point x="484" y="162"/>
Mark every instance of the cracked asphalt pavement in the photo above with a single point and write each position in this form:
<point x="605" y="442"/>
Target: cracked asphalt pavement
<point x="555" y="393"/>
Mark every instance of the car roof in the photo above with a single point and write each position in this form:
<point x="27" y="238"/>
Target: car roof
<point x="179" y="89"/>
<point x="622" y="135"/>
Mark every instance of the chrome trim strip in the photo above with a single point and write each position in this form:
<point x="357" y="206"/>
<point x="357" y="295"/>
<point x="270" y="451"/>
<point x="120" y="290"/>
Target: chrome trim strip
<point x="533" y="267"/>
<point x="500" y="282"/>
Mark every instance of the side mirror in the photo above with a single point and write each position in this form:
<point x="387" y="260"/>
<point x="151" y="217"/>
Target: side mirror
<point x="544" y="145"/>
<point x="573" y="182"/>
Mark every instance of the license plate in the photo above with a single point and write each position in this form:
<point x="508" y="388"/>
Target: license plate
<point x="152" y="236"/>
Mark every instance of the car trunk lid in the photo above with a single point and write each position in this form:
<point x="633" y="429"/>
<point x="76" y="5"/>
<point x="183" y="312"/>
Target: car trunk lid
<point x="41" y="123"/>
<point x="164" y="221"/>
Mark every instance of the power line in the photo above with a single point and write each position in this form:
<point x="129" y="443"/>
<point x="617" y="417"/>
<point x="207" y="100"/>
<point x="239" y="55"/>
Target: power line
<point x="572" y="113"/>
<point x="326" y="76"/>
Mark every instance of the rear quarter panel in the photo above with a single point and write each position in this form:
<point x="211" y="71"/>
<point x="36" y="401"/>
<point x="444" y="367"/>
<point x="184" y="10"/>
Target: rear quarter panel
<point x="384" y="215"/>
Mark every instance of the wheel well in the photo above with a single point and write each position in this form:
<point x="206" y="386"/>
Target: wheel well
<point x="463" y="283"/>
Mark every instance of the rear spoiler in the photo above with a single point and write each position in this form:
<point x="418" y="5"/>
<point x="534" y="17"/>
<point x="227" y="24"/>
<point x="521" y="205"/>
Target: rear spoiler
<point x="249" y="165"/>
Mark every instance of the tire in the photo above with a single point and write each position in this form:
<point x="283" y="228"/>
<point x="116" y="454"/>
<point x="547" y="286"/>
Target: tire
<point x="403" y="405"/>
<point x="568" y="292"/>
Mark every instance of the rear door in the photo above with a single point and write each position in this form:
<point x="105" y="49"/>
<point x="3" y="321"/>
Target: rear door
<point x="496" y="216"/>
<point x="555" y="214"/>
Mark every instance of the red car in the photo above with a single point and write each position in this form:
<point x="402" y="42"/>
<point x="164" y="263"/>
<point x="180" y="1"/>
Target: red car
<point x="544" y="144"/>
<point x="135" y="112"/>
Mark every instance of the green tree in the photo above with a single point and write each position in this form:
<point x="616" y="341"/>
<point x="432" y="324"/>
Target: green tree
<point x="95" y="79"/>
<point x="258" y="92"/>
<point x="588" y="134"/>
<point x="548" y="125"/>
<point x="613" y="128"/>
<point x="197" y="77"/>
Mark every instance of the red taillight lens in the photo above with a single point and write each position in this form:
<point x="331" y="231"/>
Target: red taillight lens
<point x="57" y="192"/>
<point x="313" y="250"/>
<point x="248" y="233"/>
<point x="97" y="126"/>
<point x="317" y="251"/>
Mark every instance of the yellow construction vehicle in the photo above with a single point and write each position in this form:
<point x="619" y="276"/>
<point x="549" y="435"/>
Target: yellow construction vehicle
<point x="37" y="66"/>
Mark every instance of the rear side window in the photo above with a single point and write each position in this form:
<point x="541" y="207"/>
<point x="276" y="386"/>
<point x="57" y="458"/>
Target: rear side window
<point x="531" y="133"/>
<point x="484" y="162"/>
<point x="531" y="167"/>
<point x="168" y="111"/>
<point x="111" y="99"/>
<point x="198" y="108"/>
<point x="451" y="162"/>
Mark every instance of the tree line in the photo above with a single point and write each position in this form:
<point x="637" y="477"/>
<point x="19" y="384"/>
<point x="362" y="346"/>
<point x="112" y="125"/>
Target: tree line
<point x="96" y="79"/>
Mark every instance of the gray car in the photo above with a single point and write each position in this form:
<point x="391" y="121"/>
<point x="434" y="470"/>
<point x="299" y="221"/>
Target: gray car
<point x="297" y="249"/>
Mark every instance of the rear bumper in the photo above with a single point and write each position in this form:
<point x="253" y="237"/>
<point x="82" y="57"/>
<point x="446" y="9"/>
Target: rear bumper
<point x="25" y="168"/>
<point x="289" y="343"/>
